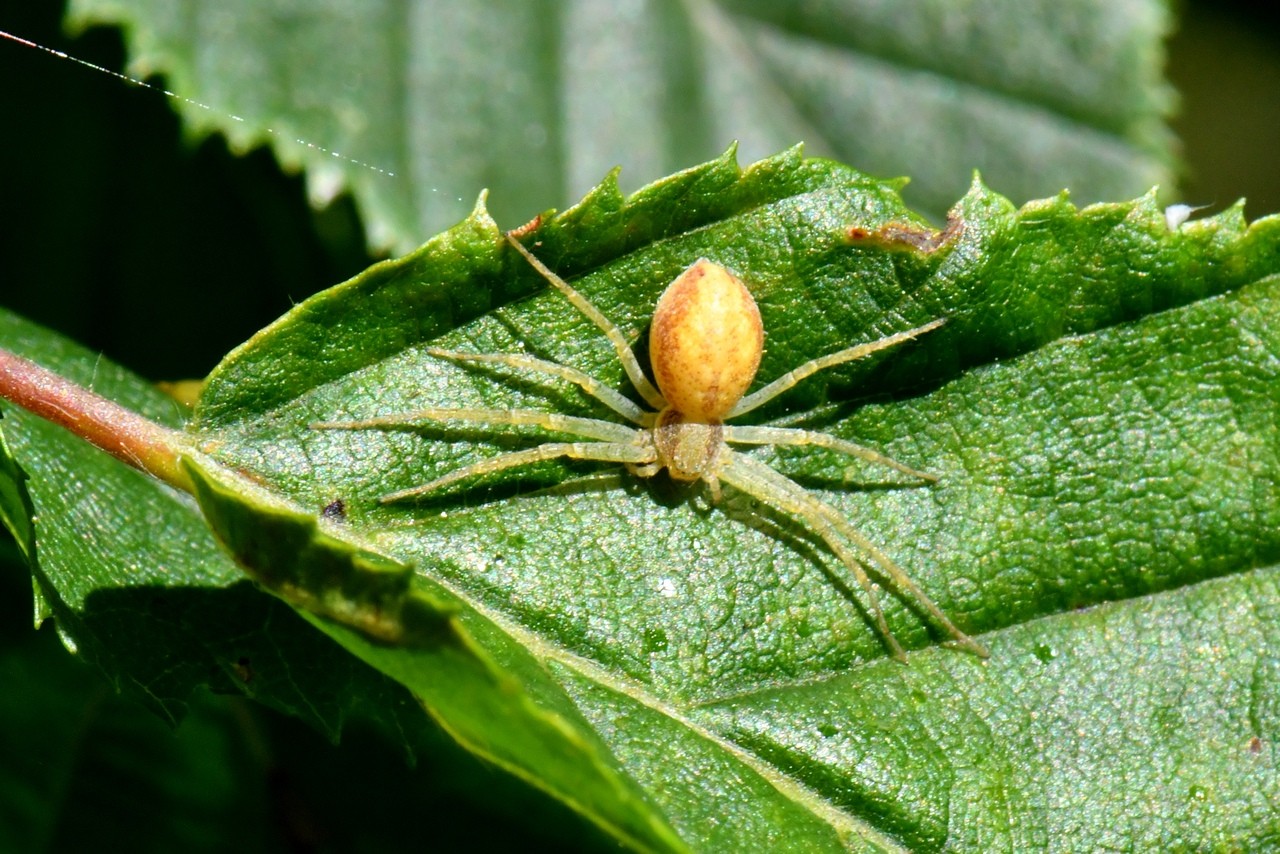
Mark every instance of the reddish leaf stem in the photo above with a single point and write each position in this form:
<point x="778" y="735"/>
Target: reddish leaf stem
<point x="124" y="434"/>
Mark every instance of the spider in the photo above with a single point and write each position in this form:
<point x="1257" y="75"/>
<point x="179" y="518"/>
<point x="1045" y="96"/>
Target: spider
<point x="706" y="341"/>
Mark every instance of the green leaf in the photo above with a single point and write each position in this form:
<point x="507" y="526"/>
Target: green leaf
<point x="418" y="640"/>
<point x="83" y="768"/>
<point x="1039" y="95"/>
<point x="15" y="505"/>
<point x="139" y="587"/>
<point x="1101" y="410"/>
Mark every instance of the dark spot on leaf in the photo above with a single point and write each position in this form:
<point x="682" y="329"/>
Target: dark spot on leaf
<point x="335" y="510"/>
<point x="655" y="640"/>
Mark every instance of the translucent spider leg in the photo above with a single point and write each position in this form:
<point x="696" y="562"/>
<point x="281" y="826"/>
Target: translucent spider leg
<point x="612" y="452"/>
<point x="901" y="579"/>
<point x="589" y="384"/>
<point x="792" y="436"/>
<point x="590" y="428"/>
<point x="808" y="369"/>
<point x="613" y="442"/>
<point x="628" y="359"/>
<point x="776" y="490"/>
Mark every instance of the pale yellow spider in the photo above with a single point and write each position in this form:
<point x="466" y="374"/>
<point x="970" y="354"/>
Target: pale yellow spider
<point x="705" y="346"/>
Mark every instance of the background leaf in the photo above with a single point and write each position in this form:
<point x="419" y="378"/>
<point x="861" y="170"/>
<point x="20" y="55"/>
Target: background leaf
<point x="1039" y="96"/>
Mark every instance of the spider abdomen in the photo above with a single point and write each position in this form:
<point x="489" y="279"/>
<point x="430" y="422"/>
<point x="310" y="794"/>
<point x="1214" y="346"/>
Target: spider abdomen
<point x="706" y="341"/>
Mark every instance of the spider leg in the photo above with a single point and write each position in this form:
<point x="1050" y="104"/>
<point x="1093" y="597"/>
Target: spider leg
<point x="792" y="436"/>
<point x="900" y="578"/>
<point x="612" y="452"/>
<point x="590" y="428"/>
<point x="584" y="381"/>
<point x="808" y="369"/>
<point x="629" y="363"/>
<point x="776" y="490"/>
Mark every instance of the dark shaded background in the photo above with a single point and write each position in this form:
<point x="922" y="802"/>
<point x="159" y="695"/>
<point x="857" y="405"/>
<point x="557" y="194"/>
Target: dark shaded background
<point x="164" y="255"/>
